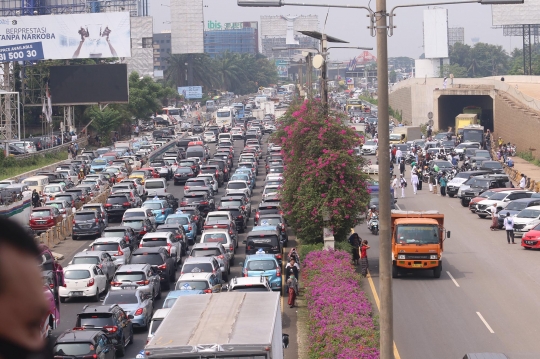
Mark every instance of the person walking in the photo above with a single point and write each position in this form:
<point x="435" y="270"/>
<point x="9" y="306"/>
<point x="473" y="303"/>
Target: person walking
<point x="509" y="227"/>
<point x="414" y="182"/>
<point x="292" y="268"/>
<point x="35" y="198"/>
<point x="443" y="181"/>
<point x="434" y="183"/>
<point x="494" y="219"/>
<point x="522" y="181"/>
<point x="402" y="167"/>
<point x="395" y="186"/>
<point x="364" y="265"/>
<point x="354" y="241"/>
<point x="402" y="184"/>
<point x="292" y="286"/>
<point x="399" y="154"/>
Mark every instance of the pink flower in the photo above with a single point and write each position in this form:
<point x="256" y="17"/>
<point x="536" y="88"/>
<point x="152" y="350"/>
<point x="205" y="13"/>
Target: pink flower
<point x="323" y="195"/>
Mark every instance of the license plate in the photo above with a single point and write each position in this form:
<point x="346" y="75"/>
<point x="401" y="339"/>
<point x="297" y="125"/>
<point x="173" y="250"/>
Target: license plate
<point x="76" y="294"/>
<point x="41" y="222"/>
<point x="117" y="206"/>
<point x="529" y="242"/>
<point x="417" y="265"/>
<point x="519" y="230"/>
<point x="467" y="198"/>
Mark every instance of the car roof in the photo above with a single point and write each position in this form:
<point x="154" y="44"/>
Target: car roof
<point x="217" y="230"/>
<point x="148" y="250"/>
<point x="90" y="211"/>
<point x="108" y="239"/>
<point x="258" y="257"/>
<point x="269" y="232"/>
<point x="526" y="200"/>
<point x="131" y="267"/>
<point x="215" y="213"/>
<point x="190" y="276"/>
<point x="198" y="259"/>
<point x="87" y="253"/>
<point x="116" y="228"/>
<point x="262" y="228"/>
<point x="208" y="245"/>
<point x="77" y="336"/>
<point x="79" y="266"/>
<point x="532" y="207"/>
<point x="157" y="234"/>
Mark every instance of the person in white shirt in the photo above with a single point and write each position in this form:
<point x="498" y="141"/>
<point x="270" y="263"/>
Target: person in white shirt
<point x="395" y="186"/>
<point x="509" y="226"/>
<point x="494" y="219"/>
<point x="402" y="184"/>
<point x="414" y="181"/>
<point x="522" y="181"/>
<point x="399" y="154"/>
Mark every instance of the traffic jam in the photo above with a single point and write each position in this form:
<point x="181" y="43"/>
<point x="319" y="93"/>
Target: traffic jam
<point x="202" y="217"/>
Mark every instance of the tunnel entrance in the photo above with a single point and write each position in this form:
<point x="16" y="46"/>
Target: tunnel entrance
<point x="452" y="105"/>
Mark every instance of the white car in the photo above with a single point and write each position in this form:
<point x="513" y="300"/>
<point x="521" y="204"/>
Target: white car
<point x="82" y="280"/>
<point x="72" y="175"/>
<point x="525" y="220"/>
<point x="273" y="177"/>
<point x="219" y="215"/>
<point x="100" y="258"/>
<point x="237" y="187"/>
<point x="209" y="137"/>
<point x="52" y="190"/>
<point x="213" y="180"/>
<point x="370" y="148"/>
<point x="268" y="190"/>
<point x="501" y="199"/>
<point x="164" y="240"/>
<point x="117" y="247"/>
<point x="139" y="212"/>
<point x="137" y="183"/>
<point x="157" y="319"/>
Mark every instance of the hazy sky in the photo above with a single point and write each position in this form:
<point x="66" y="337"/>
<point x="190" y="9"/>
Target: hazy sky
<point x="351" y="25"/>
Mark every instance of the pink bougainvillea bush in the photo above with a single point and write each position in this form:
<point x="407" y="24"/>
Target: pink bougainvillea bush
<point x="322" y="172"/>
<point x="340" y="323"/>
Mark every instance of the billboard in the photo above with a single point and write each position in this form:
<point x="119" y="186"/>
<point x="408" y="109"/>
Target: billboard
<point x="350" y="80"/>
<point x="88" y="84"/>
<point x="282" y="68"/>
<point x="70" y="36"/>
<point x="187" y="27"/>
<point x="521" y="14"/>
<point x="190" y="92"/>
<point x="436" y="33"/>
<point x="216" y="25"/>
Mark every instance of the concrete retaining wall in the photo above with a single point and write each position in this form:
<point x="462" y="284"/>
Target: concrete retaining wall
<point x="401" y="100"/>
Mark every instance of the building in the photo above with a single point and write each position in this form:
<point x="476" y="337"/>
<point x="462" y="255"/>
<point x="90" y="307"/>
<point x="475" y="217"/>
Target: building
<point x="238" y="37"/>
<point x="455" y="35"/>
<point x="283" y="31"/>
<point x="162" y="51"/>
<point x="141" y="59"/>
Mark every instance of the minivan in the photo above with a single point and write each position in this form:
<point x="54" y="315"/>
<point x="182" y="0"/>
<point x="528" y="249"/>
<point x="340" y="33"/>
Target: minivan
<point x="155" y="186"/>
<point x="36" y="183"/>
<point x="264" y="242"/>
<point x="196" y="151"/>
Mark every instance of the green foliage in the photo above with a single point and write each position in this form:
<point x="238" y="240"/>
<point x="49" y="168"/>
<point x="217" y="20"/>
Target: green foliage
<point x="304" y="249"/>
<point x="393" y="76"/>
<point x="11" y="166"/>
<point x="369" y="99"/>
<point x="104" y="121"/>
<point x="529" y="157"/>
<point x="480" y="60"/>
<point x="145" y="97"/>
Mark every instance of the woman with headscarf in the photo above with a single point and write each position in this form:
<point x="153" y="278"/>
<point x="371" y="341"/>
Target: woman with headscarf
<point x="354" y="241"/>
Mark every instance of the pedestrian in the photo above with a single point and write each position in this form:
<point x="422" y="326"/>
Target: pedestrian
<point x="414" y="182"/>
<point x="395" y="186"/>
<point x="364" y="265"/>
<point x="292" y="285"/>
<point x="509" y="227"/>
<point x="402" y="167"/>
<point x="292" y="268"/>
<point x="402" y="184"/>
<point x="522" y="181"/>
<point x="443" y="181"/>
<point x="393" y="153"/>
<point x="399" y="154"/>
<point x="354" y="241"/>
<point x="35" y="198"/>
<point x="445" y="83"/>
<point x="494" y="219"/>
<point x="137" y="131"/>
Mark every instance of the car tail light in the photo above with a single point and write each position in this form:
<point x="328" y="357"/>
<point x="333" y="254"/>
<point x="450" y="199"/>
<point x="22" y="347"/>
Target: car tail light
<point x="244" y="208"/>
<point x="278" y="271"/>
<point x="162" y="211"/>
<point x="120" y="253"/>
<point x="282" y="226"/>
<point x="169" y="247"/>
<point x="208" y="291"/>
<point x="126" y="204"/>
<point x="163" y="266"/>
<point x="196" y="218"/>
<point x="51" y="286"/>
<point x="108" y="205"/>
<point x="139" y="311"/>
<point x="144" y="230"/>
<point x="278" y="256"/>
<point x="126" y="237"/>
<point x="231" y="247"/>
<point x="245" y="272"/>
<point x="220" y="256"/>
<point x="116" y="284"/>
<point x="240" y="217"/>
<point x="97" y="220"/>
<point x="73" y="221"/>
<point x="186" y="188"/>
<point x="111" y="328"/>
<point x="190" y="228"/>
<point x="63" y="285"/>
<point x="204" y="202"/>
<point x="257" y="215"/>
<point x="90" y="282"/>
<point x="143" y="282"/>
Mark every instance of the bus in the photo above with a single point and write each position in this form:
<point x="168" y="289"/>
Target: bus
<point x="173" y="112"/>
<point x="353" y="103"/>
<point x="224" y="117"/>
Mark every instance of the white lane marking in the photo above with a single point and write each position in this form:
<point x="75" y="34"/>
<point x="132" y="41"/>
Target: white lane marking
<point x="485" y="323"/>
<point x="397" y="207"/>
<point x="453" y="280"/>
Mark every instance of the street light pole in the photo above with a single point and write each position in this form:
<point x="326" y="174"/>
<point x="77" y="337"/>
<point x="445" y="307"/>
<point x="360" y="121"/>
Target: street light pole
<point x="324" y="84"/>
<point x="385" y="244"/>
<point x="309" y="75"/>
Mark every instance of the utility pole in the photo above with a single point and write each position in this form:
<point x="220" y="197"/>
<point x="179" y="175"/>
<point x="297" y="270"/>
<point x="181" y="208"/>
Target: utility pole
<point x="385" y="247"/>
<point x="309" y="74"/>
<point x="324" y="83"/>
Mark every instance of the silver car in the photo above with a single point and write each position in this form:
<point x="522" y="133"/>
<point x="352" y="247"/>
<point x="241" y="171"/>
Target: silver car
<point x="101" y="258"/>
<point x="135" y="301"/>
<point x="144" y="275"/>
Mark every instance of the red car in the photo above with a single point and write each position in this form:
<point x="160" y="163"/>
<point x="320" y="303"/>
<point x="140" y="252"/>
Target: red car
<point x="43" y="218"/>
<point x="152" y="171"/>
<point x="531" y="239"/>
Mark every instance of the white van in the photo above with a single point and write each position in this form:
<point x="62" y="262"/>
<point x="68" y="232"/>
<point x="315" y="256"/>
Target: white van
<point x="36" y="183"/>
<point x="157" y="318"/>
<point x="225" y="137"/>
<point x="155" y="186"/>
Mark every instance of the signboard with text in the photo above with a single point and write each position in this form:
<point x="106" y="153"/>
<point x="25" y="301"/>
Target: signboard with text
<point x="282" y="67"/>
<point x="28" y="52"/>
<point x="190" y="92"/>
<point x="216" y="25"/>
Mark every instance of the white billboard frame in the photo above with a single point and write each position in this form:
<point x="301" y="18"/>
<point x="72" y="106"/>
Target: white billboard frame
<point x="436" y="33"/>
<point x="187" y="27"/>
<point x="66" y="36"/>
<point x="527" y="13"/>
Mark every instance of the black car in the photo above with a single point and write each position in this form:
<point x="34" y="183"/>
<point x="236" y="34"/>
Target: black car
<point x="171" y="200"/>
<point x="111" y="318"/>
<point x="197" y="215"/>
<point x="238" y="214"/>
<point x="179" y="233"/>
<point x="492" y="167"/>
<point x="79" y="192"/>
<point x="268" y="241"/>
<point x="117" y="204"/>
<point x="87" y="223"/>
<point x="198" y="129"/>
<point x="453" y="188"/>
<point x="480" y="184"/>
<point x="159" y="258"/>
<point x="182" y="174"/>
<point x="276" y="220"/>
<point x="128" y="233"/>
<point x="222" y="166"/>
<point x="69" y="197"/>
<point x="215" y="129"/>
<point x="81" y="343"/>
<point x="215" y="170"/>
<point x="200" y="199"/>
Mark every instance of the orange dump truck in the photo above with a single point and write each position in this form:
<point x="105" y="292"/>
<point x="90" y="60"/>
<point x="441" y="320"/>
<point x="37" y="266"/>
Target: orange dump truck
<point x="417" y="242"/>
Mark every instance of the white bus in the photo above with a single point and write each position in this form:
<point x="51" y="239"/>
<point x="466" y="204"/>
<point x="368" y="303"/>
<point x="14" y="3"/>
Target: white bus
<point x="224" y="117"/>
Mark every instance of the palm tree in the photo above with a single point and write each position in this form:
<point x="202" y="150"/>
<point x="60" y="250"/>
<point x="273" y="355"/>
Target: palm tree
<point x="201" y="65"/>
<point x="231" y="70"/>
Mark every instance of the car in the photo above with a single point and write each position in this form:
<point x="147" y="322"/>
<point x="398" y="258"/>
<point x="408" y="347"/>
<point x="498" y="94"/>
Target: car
<point x="516" y="206"/>
<point x="182" y="174"/>
<point x="369" y="148"/>
<point x="199" y="184"/>
<point x="133" y="196"/>
<point x="159" y="208"/>
<point x="128" y="233"/>
<point x="492" y="167"/>
<point x="206" y="264"/>
<point x="188" y="222"/>
<point x="269" y="190"/>
<point x="476" y="185"/>
<point x="209" y="137"/>
<point x="52" y="190"/>
<point x="83" y="280"/>
<point x="136" y="302"/>
<point x="170" y="199"/>
<point x="266" y="208"/>
<point x="212" y="236"/>
<point x="144" y="275"/>
<point x="201" y="199"/>
<point x="79" y="343"/>
<point x="214" y="169"/>
<point x="486" y="195"/>
<point x="165" y="240"/>
<point x="265" y="265"/>
<point x="207" y="282"/>
<point x="178" y="232"/>
<point x="110" y="318"/>
<point x="238" y="214"/>
<point x="100" y="258"/>
<point x="211" y="179"/>
<point x="175" y="294"/>
<point x="87" y="223"/>
<point x="276" y="220"/>
<point x="453" y="185"/>
<point x="442" y="164"/>
<point x="117" y="204"/>
<point x="238" y="187"/>
<point x="240" y="199"/>
<point x="117" y="247"/>
<point x="138" y="213"/>
<point x="525" y="220"/>
<point x="249" y="284"/>
<point x="501" y="199"/>
<point x="246" y="177"/>
<point x="100" y="208"/>
<point x="44" y="218"/>
<point x="265" y="240"/>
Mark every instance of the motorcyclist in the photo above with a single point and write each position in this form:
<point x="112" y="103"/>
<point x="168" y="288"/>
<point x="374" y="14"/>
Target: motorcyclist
<point x="372" y="213"/>
<point x="80" y="175"/>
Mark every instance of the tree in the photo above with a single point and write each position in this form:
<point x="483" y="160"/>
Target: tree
<point x="104" y="121"/>
<point x="393" y="76"/>
<point x="322" y="173"/>
<point x="145" y="97"/>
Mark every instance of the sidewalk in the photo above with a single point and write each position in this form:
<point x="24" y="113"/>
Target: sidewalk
<point x="521" y="166"/>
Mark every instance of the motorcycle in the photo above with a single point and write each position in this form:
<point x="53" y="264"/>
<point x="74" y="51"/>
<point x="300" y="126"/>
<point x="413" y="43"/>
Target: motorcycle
<point x="410" y="159"/>
<point x="374" y="225"/>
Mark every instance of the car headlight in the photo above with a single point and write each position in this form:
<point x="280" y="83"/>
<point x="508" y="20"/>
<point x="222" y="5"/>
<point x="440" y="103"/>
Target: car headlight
<point x="401" y="256"/>
<point x="434" y="256"/>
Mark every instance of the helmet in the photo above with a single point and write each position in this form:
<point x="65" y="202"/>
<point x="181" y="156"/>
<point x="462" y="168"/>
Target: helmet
<point x="373" y="208"/>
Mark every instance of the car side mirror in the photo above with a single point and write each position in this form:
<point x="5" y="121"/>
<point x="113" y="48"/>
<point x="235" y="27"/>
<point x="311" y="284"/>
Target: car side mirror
<point x="241" y="264"/>
<point x="447" y="234"/>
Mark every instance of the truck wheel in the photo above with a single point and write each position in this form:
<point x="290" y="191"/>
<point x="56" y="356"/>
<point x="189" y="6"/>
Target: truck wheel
<point x="395" y="271"/>
<point x="437" y="271"/>
<point x="464" y="203"/>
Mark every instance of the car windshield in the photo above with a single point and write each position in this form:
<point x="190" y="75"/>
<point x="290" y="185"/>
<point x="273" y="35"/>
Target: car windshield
<point x="498" y="196"/>
<point x="217" y="217"/>
<point x="134" y="214"/>
<point x="183" y="170"/>
<point x="84" y="216"/>
<point x="263" y="241"/>
<point x="111" y="247"/>
<point x="138" y="173"/>
<point x="177" y="220"/>
<point x="262" y="265"/>
<point x="529" y="213"/>
<point x="95" y="320"/>
<point x="42" y="213"/>
<point x="214" y="237"/>
<point x="73" y="349"/>
<point x="157" y="322"/>
<point x="191" y="285"/>
<point x="76" y="274"/>
<point x="492" y="165"/>
<point x="370" y="143"/>
<point x="270" y="221"/>
<point x="85" y="260"/>
<point x="99" y="162"/>
<point x="51" y="189"/>
<point x="417" y="234"/>
<point x="154" y="242"/>
<point x="231" y="203"/>
<point x="197" y="267"/>
<point x="205" y="252"/>
<point x="152" y="205"/>
<point x="516" y="206"/>
<point x="129" y="276"/>
<point x="236" y="185"/>
<point x="119" y="297"/>
<point x="147" y="258"/>
<point x="154" y="184"/>
<point x="133" y="224"/>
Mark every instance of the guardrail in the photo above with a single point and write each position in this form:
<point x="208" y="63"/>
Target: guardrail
<point x="81" y="141"/>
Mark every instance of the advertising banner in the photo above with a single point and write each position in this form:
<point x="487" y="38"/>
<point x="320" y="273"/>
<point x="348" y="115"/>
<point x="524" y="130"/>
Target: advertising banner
<point x="350" y="81"/>
<point x="69" y="36"/>
<point x="282" y="68"/>
<point x="190" y="92"/>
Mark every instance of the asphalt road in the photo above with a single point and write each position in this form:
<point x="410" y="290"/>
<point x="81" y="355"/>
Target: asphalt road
<point x="70" y="309"/>
<point x="485" y="301"/>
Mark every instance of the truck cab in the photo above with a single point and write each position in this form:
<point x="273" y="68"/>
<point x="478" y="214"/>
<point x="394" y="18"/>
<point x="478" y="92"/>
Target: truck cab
<point x="417" y="242"/>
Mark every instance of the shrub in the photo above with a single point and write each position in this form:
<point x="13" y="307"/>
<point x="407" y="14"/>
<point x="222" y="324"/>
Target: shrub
<point x="340" y="319"/>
